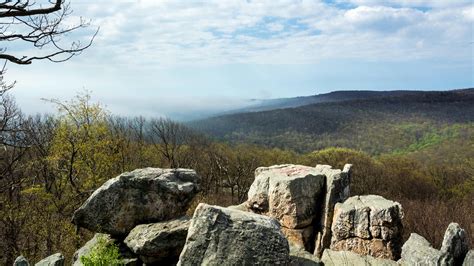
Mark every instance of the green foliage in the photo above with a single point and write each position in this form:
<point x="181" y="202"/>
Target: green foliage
<point x="104" y="253"/>
<point x="376" y="126"/>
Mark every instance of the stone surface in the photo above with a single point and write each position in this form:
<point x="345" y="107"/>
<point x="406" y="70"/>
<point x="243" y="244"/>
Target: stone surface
<point x="455" y="245"/>
<point x="289" y="193"/>
<point x="336" y="258"/>
<point x="21" y="261"/>
<point x="469" y="259"/>
<point x="368" y="225"/>
<point x="141" y="196"/>
<point x="299" y="237"/>
<point x="159" y="242"/>
<point x="337" y="190"/>
<point x="241" y="207"/>
<point x="300" y="257"/>
<point x="53" y="260"/>
<point x="418" y="251"/>
<point x="222" y="236"/>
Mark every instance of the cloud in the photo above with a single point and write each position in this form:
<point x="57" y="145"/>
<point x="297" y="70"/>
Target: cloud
<point x="168" y="44"/>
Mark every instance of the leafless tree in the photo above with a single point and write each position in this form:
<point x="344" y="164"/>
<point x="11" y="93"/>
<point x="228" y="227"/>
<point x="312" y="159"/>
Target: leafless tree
<point x="168" y="136"/>
<point x="41" y="25"/>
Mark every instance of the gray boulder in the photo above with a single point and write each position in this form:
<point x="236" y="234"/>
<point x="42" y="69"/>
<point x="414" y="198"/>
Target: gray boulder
<point x="141" y="196"/>
<point x="368" y="225"/>
<point x="469" y="259"/>
<point x="336" y="258"/>
<point x="222" y="236"/>
<point x="53" y="260"/>
<point x="288" y="193"/>
<point x="418" y="251"/>
<point x="301" y="257"/>
<point x="159" y="242"/>
<point x="337" y="190"/>
<point x="455" y="245"/>
<point x="21" y="261"/>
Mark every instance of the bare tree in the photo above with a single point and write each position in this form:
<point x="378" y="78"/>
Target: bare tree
<point x="42" y="27"/>
<point x="168" y="136"/>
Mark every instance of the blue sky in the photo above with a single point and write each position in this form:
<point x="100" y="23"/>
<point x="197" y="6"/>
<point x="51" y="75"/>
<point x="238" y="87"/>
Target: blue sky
<point x="164" y="57"/>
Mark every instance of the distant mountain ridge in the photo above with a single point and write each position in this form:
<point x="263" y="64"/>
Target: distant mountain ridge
<point x="376" y="122"/>
<point x="335" y="96"/>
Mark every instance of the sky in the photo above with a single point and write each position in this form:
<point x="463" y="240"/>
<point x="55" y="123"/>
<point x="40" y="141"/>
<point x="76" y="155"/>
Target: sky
<point x="182" y="58"/>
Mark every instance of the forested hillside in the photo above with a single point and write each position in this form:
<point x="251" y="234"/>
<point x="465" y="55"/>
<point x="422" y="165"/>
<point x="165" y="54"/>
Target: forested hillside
<point x="335" y="96"/>
<point x="375" y="125"/>
<point x="52" y="163"/>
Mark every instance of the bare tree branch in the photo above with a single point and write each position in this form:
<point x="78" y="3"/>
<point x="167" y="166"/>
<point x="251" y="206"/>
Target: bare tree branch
<point x="42" y="27"/>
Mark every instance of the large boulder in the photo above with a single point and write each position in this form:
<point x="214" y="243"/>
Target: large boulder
<point x="368" y="225"/>
<point x="159" y="242"/>
<point x="288" y="193"/>
<point x="455" y="245"/>
<point x="141" y="196"/>
<point x="53" y="260"/>
<point x="222" y="236"/>
<point x="418" y="251"/>
<point x="21" y="261"/>
<point x="336" y="258"/>
<point x="337" y="189"/>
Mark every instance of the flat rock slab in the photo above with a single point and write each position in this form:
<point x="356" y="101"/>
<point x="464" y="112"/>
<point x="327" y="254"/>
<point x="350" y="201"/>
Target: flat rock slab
<point x="337" y="258"/>
<point x="53" y="260"/>
<point x="222" y="236"/>
<point x="159" y="242"/>
<point x="368" y="225"/>
<point x="138" y="197"/>
<point x="288" y="193"/>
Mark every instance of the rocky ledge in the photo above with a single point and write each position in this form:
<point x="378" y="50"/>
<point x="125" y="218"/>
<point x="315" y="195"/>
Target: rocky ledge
<point x="294" y="215"/>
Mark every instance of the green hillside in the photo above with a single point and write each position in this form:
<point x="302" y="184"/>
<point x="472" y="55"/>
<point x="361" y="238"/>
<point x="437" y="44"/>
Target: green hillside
<point x="394" y="124"/>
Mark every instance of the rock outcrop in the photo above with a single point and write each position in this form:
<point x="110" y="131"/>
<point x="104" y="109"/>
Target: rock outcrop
<point x="141" y="196"/>
<point x="336" y="190"/>
<point x="53" y="260"/>
<point x="159" y="242"/>
<point x="455" y="245"/>
<point x="418" y="251"/>
<point x="336" y="258"/>
<point x="288" y="193"/>
<point x="21" y="261"/>
<point x="368" y="225"/>
<point x="291" y="194"/>
<point x="219" y="236"/>
<point x="294" y="215"/>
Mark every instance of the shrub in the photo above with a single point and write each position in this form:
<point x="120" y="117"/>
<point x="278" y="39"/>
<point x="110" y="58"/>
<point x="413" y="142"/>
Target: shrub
<point x="104" y="253"/>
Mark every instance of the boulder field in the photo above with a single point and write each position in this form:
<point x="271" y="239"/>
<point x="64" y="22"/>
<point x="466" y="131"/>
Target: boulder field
<point x="293" y="215"/>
